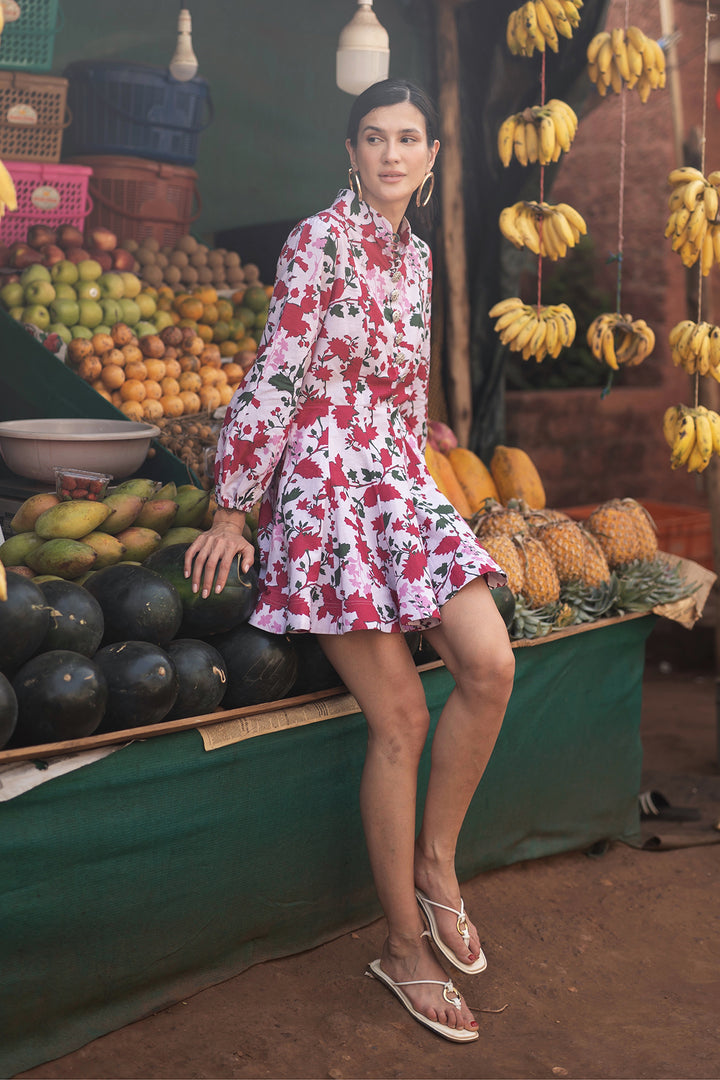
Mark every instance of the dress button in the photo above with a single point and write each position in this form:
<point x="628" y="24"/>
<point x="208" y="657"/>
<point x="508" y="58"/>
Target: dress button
<point x="398" y="339"/>
<point x="394" y="295"/>
<point x="396" y="276"/>
<point x="396" y="316"/>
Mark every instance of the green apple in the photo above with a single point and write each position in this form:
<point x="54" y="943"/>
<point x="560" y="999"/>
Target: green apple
<point x="112" y="312"/>
<point x="111" y="285"/>
<point x="162" y="319"/>
<point x="38" y="315"/>
<point x="35" y="272"/>
<point x="147" y="305"/>
<point x="91" y="314"/>
<point x="101" y="328"/>
<point x="39" y="292"/>
<point x="89" y="269"/>
<point x="132" y="282"/>
<point x="142" y="329"/>
<point x="63" y="291"/>
<point x="87" y="290"/>
<point x="130" y="311"/>
<point x="81" y="331"/>
<point x="16" y="312"/>
<point x="66" y="312"/>
<point x="64" y="270"/>
<point x="12" y="294"/>
<point x="61" y="330"/>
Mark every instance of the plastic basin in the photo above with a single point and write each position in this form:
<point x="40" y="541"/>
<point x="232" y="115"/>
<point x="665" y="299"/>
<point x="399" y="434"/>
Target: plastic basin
<point x="32" y="448"/>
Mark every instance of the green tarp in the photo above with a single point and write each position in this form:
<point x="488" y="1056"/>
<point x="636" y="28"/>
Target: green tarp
<point x="135" y="881"/>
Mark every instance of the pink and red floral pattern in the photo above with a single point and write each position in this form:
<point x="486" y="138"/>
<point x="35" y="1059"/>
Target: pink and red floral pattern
<point x="329" y="427"/>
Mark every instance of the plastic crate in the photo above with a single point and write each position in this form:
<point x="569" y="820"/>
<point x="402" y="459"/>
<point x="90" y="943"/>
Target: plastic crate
<point x="137" y="198"/>
<point x="47" y="195"/>
<point x="28" y="38"/>
<point x="136" y="110"/>
<point x="681" y="530"/>
<point x="33" y="116"/>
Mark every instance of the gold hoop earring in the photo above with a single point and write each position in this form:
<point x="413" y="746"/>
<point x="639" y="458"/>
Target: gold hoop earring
<point x="419" y="200"/>
<point x="354" y="183"/>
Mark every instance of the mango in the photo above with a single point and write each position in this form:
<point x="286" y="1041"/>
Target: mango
<point x="125" y="508"/>
<point x="39" y="578"/>
<point x="108" y="549"/>
<point x="15" y="550"/>
<point x="24" y="570"/>
<point x="192" y="503"/>
<point x="139" y="543"/>
<point x="167" y="491"/>
<point x="139" y="486"/>
<point x="179" y="535"/>
<point x="25" y="518"/>
<point x="71" y="520"/>
<point x="62" y="557"/>
<point x="158" y="515"/>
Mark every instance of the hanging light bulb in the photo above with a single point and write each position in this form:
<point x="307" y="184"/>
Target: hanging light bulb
<point x="363" y="53"/>
<point x="184" y="63"/>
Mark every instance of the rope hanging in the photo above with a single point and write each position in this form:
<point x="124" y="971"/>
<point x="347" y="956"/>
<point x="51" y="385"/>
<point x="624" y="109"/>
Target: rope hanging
<point x="542" y="191"/>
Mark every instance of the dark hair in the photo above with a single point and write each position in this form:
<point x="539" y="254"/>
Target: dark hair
<point x="393" y="92"/>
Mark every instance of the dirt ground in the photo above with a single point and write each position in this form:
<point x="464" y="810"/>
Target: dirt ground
<point x="604" y="965"/>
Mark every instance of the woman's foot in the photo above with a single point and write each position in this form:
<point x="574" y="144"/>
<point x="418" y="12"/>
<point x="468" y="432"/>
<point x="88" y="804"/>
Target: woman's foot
<point x="413" y="961"/>
<point x="440" y="885"/>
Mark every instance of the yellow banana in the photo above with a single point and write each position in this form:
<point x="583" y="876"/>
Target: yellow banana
<point x="562" y="130"/>
<point x="678" y="330"/>
<point x="505" y="321"/>
<point x="703" y="438"/>
<point x="714" y="421"/>
<point x="619" y="48"/>
<point x="608" y="348"/>
<point x="546" y="140"/>
<point x="684" y="174"/>
<point x="511" y="331"/>
<point x="551" y="337"/>
<point x="575" y="219"/>
<point x="697" y="223"/>
<point x="712" y="202"/>
<point x="559" y="18"/>
<point x="562" y="227"/>
<point x="684" y="441"/>
<point x="510" y="36"/>
<point x="8" y="195"/>
<point x="506" y="137"/>
<point x="571" y="10"/>
<point x="604" y="56"/>
<point x="707" y="253"/>
<point x="531" y="141"/>
<point x="643" y="88"/>
<point x="693" y="191"/>
<point x="715" y="347"/>
<point x="714" y="178"/>
<point x="519" y="145"/>
<point x="536" y="341"/>
<point x="558" y="105"/>
<point x="671" y="419"/>
<point x="528" y="15"/>
<point x="635" y="60"/>
<point x="508" y="226"/>
<point x="521" y="339"/>
<point x="555" y="245"/>
<point x="703" y="356"/>
<point x="546" y="25"/>
<point x="504" y="306"/>
<point x="714" y="231"/>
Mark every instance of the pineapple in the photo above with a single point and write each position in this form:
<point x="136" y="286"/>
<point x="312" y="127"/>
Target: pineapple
<point x="531" y="622"/>
<point x="542" y="585"/>
<point x="646" y="526"/>
<point x="495" y="518"/>
<point x="645" y="583"/>
<point x="590" y="604"/>
<point x="502" y="549"/>
<point x="618" y="532"/>
<point x="575" y="553"/>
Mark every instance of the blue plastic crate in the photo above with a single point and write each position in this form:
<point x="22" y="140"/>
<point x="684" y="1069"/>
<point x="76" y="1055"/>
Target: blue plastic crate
<point x="28" y="42"/>
<point x="135" y="110"/>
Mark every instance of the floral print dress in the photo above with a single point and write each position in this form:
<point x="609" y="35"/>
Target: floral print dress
<point x="329" y="427"/>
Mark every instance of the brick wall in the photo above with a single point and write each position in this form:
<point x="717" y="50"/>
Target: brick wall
<point x="590" y="448"/>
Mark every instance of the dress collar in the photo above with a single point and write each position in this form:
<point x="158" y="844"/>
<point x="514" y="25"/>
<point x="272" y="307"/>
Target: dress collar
<point x="369" y="223"/>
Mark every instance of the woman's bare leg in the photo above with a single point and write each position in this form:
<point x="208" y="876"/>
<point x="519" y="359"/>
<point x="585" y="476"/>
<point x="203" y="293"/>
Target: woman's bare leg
<point x="473" y="643"/>
<point x="379" y="671"/>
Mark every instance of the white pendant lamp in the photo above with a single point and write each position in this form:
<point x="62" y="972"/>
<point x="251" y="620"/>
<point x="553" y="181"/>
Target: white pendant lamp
<point x="363" y="53"/>
<point x="184" y="64"/>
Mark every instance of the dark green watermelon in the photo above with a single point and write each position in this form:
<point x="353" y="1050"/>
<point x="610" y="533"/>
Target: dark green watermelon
<point x="24" y="620"/>
<point x="8" y="710"/>
<point x="213" y="614"/>
<point x="505" y="602"/>
<point x="142" y="684"/>
<point x="201" y="675"/>
<point x="137" y="604"/>
<point x="260" y="666"/>
<point x="314" y="670"/>
<point x="60" y="695"/>
<point x="76" y="618"/>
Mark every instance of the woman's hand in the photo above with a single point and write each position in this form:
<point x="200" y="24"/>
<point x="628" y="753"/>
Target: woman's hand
<point x="216" y="548"/>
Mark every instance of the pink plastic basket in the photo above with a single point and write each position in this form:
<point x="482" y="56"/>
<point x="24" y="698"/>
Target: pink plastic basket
<point x="46" y="195"/>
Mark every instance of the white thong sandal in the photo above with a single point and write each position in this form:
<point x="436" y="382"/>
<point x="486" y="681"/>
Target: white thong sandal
<point x="462" y="928"/>
<point x="450" y="994"/>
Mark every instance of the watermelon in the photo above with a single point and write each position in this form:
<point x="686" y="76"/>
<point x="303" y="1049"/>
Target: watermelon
<point x="76" y="618"/>
<point x="201" y="675"/>
<point x="60" y="695"/>
<point x="213" y="614"/>
<point x="24" y="621"/>
<point x="141" y="681"/>
<point x="505" y="602"/>
<point x="260" y="666"/>
<point x="8" y="710"/>
<point x="137" y="604"/>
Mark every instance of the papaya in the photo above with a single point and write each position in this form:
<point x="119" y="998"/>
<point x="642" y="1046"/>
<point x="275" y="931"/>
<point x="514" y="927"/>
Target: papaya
<point x="474" y="477"/>
<point x="71" y="520"/>
<point x="516" y="477"/>
<point x="442" y="473"/>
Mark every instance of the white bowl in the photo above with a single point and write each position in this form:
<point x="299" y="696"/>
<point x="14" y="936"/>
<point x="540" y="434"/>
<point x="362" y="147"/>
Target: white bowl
<point x="32" y="448"/>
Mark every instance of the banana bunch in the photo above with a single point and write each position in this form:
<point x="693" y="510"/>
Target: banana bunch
<point x="618" y="58"/>
<point x="546" y="230"/>
<point x="532" y="330"/>
<point x="8" y="195"/>
<point x="693" y="436"/>
<point x="617" y="339"/>
<point x="539" y="133"/>
<point x="538" y="23"/>
<point x="696" y="347"/>
<point x="692" y="226"/>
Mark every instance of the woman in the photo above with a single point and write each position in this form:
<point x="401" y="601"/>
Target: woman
<point x="356" y="541"/>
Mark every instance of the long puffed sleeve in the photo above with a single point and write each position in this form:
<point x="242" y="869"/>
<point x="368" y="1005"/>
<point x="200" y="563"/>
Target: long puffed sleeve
<point x="254" y="433"/>
<point x="414" y="405"/>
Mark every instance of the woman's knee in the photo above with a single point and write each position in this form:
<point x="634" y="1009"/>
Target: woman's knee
<point x="400" y="733"/>
<point x="487" y="672"/>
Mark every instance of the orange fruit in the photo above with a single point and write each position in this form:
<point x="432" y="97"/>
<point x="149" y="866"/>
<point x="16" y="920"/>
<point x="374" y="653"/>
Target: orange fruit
<point x="268" y="290"/>
<point x="188" y="362"/>
<point x="192" y="308"/>
<point x="190" y="380"/>
<point x="164" y="303"/>
<point x="152" y="409"/>
<point x="210" y="397"/>
<point x="190" y="400"/>
<point x="233" y="372"/>
<point x="166" y="292"/>
<point x="104" y="393"/>
<point x="115" y="398"/>
<point x="226" y="392"/>
<point x="210" y="314"/>
<point x="205" y="332"/>
<point x="225" y="310"/>
<point x="228" y="348"/>
<point x="89" y="368"/>
<point x="101" y="343"/>
<point x="121" y="334"/>
<point x="248" y="344"/>
<point x="180" y="298"/>
<point x="208" y="375"/>
<point x="132" y="390"/>
<point x="113" y="356"/>
<point x="238" y="297"/>
<point x="155" y="369"/>
<point x="195" y="345"/>
<point x="170" y="387"/>
<point x="207" y="295"/>
<point x="175" y="317"/>
<point x="133" y="410"/>
<point x="112" y="376"/>
<point x="132" y="353"/>
<point x="153" y="389"/>
<point x="172" y="369"/>
<point x="211" y="355"/>
<point x="136" y="369"/>
<point x="172" y="405"/>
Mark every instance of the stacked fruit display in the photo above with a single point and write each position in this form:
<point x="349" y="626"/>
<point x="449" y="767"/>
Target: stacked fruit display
<point x="189" y="263"/>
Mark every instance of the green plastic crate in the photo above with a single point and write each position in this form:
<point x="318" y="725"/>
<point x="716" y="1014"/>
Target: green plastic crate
<point x="28" y="42"/>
